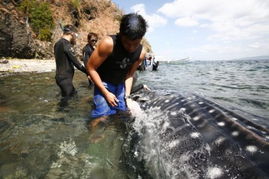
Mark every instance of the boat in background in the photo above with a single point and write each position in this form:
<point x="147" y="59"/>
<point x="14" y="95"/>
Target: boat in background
<point x="174" y="61"/>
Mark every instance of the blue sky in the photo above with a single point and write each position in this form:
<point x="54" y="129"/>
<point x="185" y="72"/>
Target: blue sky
<point x="204" y="29"/>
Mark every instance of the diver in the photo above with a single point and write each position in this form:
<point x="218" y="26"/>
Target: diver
<point x="65" y="62"/>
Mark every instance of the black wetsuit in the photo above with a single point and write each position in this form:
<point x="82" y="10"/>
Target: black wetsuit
<point x="87" y="52"/>
<point x="65" y="62"/>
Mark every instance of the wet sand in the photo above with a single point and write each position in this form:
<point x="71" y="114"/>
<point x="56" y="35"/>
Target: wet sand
<point x="27" y="65"/>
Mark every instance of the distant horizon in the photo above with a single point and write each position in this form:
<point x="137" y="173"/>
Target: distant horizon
<point x="203" y="30"/>
<point x="262" y="57"/>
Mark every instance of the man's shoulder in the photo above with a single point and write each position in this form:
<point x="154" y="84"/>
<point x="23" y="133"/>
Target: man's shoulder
<point x="84" y="48"/>
<point x="87" y="47"/>
<point x="63" y="42"/>
<point x="59" y="45"/>
<point x="108" y="40"/>
<point x="58" y="42"/>
<point x="106" y="44"/>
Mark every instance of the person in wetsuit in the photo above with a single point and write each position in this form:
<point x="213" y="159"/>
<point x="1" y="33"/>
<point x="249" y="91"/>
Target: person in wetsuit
<point x="88" y="49"/>
<point x="65" y="61"/>
<point x="113" y="64"/>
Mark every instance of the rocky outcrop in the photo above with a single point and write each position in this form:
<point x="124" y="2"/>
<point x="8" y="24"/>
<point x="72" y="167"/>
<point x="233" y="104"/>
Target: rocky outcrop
<point x="98" y="16"/>
<point x="16" y="37"/>
<point x="18" y="40"/>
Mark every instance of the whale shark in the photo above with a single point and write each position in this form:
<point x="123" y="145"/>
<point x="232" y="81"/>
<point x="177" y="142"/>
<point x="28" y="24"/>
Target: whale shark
<point x="189" y="136"/>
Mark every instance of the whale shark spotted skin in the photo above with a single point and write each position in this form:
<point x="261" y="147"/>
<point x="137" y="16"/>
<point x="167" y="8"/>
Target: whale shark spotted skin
<point x="192" y="137"/>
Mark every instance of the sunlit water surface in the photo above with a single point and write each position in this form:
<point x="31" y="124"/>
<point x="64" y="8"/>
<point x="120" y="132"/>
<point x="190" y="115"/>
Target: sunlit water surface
<point x="241" y="85"/>
<point x="40" y="140"/>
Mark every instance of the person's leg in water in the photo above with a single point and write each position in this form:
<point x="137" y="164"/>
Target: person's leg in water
<point x="103" y="114"/>
<point x="67" y="91"/>
<point x="94" y="122"/>
<point x="99" y="117"/>
<point x="102" y="109"/>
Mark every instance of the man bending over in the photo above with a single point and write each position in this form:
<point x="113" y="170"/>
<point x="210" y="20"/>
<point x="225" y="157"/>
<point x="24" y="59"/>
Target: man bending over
<point x="113" y="64"/>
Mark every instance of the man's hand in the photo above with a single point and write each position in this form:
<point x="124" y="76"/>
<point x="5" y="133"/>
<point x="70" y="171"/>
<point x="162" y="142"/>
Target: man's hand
<point x="111" y="99"/>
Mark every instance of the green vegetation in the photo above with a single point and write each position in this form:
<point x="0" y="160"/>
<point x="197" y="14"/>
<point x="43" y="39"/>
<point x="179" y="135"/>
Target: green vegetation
<point x="45" y="34"/>
<point x="75" y="4"/>
<point x="40" y="18"/>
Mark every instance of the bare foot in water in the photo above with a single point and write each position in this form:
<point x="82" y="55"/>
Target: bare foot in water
<point x="96" y="138"/>
<point x="95" y="130"/>
<point x="96" y="121"/>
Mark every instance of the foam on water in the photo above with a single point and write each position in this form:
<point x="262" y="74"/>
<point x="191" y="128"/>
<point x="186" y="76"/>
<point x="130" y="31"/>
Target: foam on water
<point x="149" y="127"/>
<point x="152" y="125"/>
<point x="195" y="134"/>
<point x="214" y="172"/>
<point x="66" y="147"/>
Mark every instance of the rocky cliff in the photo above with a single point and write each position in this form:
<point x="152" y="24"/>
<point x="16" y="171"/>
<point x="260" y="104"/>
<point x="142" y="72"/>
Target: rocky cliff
<point x="18" y="39"/>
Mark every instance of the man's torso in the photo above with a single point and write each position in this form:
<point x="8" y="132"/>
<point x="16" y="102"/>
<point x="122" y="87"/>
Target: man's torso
<point x="63" y="65"/>
<point x="117" y="65"/>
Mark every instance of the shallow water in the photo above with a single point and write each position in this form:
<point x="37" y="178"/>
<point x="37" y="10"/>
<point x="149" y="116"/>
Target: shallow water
<point x="39" y="140"/>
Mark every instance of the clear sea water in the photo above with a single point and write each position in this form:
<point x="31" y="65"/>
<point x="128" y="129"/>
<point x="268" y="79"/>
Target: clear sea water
<point x="240" y="85"/>
<point x="37" y="140"/>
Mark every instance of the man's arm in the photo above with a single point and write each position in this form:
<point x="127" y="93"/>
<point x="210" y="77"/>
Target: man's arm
<point x="71" y="56"/>
<point x="129" y="77"/>
<point x="99" y="55"/>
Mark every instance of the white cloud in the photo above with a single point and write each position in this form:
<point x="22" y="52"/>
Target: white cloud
<point x="153" y="20"/>
<point x="186" y="21"/>
<point x="228" y="51"/>
<point x="228" y="19"/>
<point x="255" y="45"/>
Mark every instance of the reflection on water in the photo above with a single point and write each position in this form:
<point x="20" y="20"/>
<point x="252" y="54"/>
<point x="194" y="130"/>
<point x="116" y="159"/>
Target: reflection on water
<point x="239" y="84"/>
<point x="40" y="141"/>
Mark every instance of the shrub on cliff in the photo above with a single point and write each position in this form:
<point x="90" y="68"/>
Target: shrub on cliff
<point x="75" y="4"/>
<point x="40" y="18"/>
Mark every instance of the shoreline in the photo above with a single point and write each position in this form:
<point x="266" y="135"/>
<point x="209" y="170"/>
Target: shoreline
<point x="26" y="65"/>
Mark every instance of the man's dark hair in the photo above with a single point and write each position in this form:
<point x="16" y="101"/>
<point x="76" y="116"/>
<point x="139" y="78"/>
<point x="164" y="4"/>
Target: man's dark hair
<point x="68" y="29"/>
<point x="133" y="26"/>
<point x="91" y="34"/>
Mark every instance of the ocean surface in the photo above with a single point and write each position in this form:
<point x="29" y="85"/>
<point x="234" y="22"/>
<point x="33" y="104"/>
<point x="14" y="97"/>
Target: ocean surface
<point x="39" y="139"/>
<point x="237" y="85"/>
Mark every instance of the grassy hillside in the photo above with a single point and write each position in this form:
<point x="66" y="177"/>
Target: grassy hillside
<point x="29" y="28"/>
<point x="99" y="16"/>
